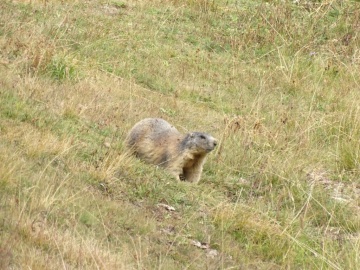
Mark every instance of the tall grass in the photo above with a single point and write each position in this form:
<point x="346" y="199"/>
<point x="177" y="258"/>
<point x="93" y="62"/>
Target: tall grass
<point x="276" y="82"/>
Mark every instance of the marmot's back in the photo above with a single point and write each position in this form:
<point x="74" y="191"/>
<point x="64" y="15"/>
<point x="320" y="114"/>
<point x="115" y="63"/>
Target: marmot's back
<point x="153" y="128"/>
<point x="150" y="138"/>
<point x="156" y="141"/>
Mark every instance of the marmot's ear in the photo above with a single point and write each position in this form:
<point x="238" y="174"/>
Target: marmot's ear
<point x="192" y="135"/>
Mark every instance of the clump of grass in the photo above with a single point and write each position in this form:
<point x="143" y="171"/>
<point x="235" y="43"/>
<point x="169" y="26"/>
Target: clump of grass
<point x="60" y="69"/>
<point x="257" y="236"/>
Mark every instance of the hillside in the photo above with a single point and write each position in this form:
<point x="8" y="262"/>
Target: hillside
<point x="277" y="82"/>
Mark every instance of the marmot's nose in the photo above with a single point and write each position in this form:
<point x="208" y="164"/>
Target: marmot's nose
<point x="215" y="143"/>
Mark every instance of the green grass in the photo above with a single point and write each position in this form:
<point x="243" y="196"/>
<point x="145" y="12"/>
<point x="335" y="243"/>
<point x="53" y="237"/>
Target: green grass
<point x="276" y="82"/>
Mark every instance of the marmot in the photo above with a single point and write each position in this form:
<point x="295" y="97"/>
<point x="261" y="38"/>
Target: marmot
<point x="157" y="142"/>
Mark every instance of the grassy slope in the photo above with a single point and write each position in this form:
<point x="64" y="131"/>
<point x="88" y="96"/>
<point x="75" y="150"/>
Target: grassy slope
<point x="277" y="83"/>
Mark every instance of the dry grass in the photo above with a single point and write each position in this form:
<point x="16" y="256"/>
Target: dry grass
<point x="275" y="82"/>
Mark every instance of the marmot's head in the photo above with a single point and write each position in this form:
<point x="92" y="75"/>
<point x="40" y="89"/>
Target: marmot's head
<point x="199" y="142"/>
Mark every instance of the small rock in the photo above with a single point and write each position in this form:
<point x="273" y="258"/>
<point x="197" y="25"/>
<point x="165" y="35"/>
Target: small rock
<point x="167" y="207"/>
<point x="199" y="244"/>
<point x="107" y="142"/>
<point x="212" y="253"/>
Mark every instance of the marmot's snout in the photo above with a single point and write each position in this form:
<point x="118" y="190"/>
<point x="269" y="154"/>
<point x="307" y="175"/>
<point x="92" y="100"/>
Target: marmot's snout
<point x="215" y="143"/>
<point x="212" y="145"/>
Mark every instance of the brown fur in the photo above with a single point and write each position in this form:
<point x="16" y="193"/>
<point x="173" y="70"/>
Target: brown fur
<point x="157" y="142"/>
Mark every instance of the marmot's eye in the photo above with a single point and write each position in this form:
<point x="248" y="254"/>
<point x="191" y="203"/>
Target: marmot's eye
<point x="202" y="137"/>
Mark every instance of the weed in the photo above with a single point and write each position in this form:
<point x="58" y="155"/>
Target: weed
<point x="60" y="69"/>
